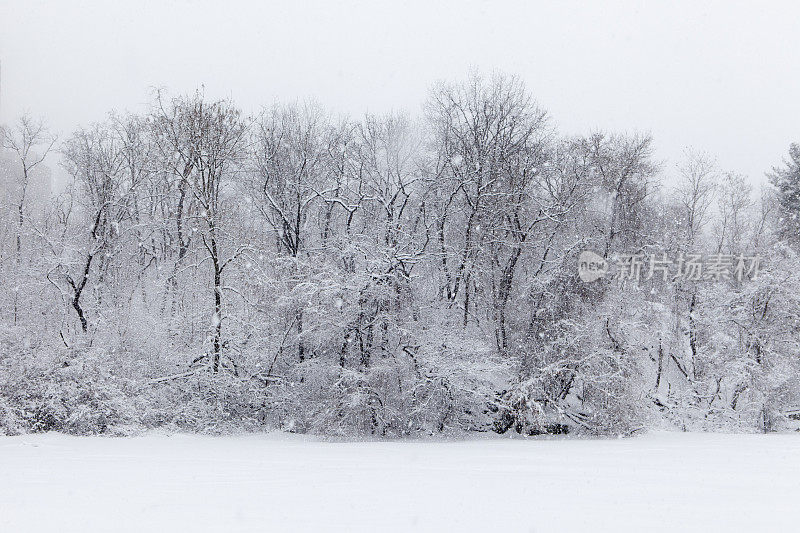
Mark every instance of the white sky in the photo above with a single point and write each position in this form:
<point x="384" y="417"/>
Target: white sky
<point x="723" y="77"/>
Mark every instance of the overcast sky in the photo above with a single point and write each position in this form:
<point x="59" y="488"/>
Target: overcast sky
<point x="723" y="77"/>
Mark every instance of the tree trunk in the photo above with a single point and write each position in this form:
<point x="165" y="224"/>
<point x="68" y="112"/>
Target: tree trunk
<point x="504" y="293"/>
<point x="660" y="365"/>
<point x="217" y="319"/>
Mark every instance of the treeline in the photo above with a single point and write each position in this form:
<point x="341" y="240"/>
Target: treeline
<point x="389" y="275"/>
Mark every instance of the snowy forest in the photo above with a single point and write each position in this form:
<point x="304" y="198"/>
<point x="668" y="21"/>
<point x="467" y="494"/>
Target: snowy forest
<point x="387" y="276"/>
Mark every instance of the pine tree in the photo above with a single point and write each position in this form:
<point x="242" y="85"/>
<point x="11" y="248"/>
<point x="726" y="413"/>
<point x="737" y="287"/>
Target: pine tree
<point x="786" y="179"/>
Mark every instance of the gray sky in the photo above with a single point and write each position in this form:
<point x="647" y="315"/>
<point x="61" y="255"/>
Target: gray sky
<point x="723" y="77"/>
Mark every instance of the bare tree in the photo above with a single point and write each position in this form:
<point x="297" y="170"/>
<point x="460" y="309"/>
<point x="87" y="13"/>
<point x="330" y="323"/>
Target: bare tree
<point x="209" y="143"/>
<point x="94" y="158"/>
<point x="695" y="192"/>
<point x="625" y="172"/>
<point x="486" y="136"/>
<point x="289" y="179"/>
<point x="31" y="142"/>
<point x="733" y="204"/>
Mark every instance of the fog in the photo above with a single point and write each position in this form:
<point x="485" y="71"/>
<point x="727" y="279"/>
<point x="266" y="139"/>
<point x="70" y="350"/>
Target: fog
<point x="718" y="76"/>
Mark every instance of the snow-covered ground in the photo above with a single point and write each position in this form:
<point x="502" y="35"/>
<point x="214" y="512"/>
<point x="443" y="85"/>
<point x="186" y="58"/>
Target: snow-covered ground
<point x="659" y="482"/>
